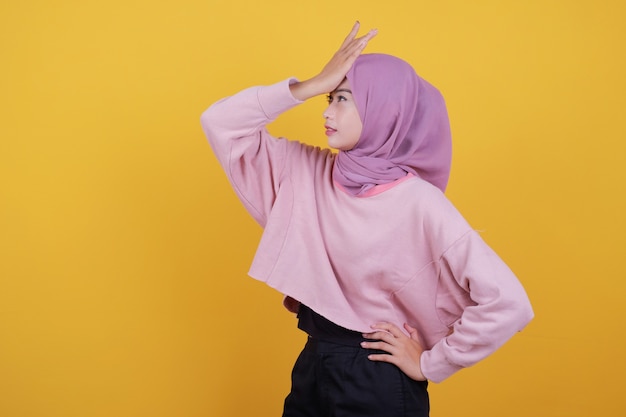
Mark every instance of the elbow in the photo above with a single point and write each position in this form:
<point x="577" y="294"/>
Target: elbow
<point x="207" y="118"/>
<point x="211" y="121"/>
<point x="522" y="313"/>
<point x="214" y="115"/>
<point x="528" y="314"/>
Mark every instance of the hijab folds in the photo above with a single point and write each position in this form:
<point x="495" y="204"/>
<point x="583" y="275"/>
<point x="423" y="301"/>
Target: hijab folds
<point x="405" y="127"/>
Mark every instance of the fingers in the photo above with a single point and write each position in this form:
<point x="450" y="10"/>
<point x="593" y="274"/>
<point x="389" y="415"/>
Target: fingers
<point x="379" y="345"/>
<point x="399" y="349"/>
<point x="355" y="47"/>
<point x="368" y="36"/>
<point x="412" y="332"/>
<point x="384" y="337"/>
<point x="409" y="328"/>
<point x="352" y="34"/>
<point x="352" y="45"/>
<point x="383" y="358"/>
<point x="336" y="69"/>
<point x="389" y="328"/>
<point x="387" y="335"/>
<point x="360" y="45"/>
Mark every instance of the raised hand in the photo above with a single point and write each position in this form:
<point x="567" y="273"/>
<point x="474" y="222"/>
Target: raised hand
<point x="336" y="69"/>
<point x="403" y="351"/>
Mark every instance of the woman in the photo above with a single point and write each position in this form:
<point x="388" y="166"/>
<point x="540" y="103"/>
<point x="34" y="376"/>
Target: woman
<point x="389" y="281"/>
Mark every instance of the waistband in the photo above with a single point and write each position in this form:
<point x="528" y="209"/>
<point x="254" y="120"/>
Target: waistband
<point x="321" y="329"/>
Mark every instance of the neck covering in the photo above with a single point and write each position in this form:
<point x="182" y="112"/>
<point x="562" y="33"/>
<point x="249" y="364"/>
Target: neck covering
<point x="405" y="127"/>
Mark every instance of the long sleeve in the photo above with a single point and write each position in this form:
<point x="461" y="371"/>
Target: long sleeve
<point x="500" y="307"/>
<point x="252" y="159"/>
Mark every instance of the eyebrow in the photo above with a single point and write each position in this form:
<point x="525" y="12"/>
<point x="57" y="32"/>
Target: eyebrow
<point x="342" y="90"/>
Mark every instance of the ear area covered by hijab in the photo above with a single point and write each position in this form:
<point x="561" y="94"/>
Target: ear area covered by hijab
<point x="405" y="127"/>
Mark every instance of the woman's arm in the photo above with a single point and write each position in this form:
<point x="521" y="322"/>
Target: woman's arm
<point x="501" y="307"/>
<point x="253" y="160"/>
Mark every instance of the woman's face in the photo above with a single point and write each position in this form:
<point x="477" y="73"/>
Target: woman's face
<point x="343" y="123"/>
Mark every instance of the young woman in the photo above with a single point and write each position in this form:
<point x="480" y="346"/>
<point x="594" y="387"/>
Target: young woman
<point x="391" y="284"/>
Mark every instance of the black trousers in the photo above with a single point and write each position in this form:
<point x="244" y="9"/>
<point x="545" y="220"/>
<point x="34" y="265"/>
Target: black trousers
<point x="338" y="380"/>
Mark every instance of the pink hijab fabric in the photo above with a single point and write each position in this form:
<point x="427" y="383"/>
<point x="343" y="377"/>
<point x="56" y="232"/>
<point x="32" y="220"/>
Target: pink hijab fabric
<point x="405" y="127"/>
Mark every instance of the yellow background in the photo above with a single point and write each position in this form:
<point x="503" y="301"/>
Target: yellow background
<point x="123" y="251"/>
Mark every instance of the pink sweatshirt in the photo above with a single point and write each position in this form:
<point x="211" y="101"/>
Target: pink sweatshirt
<point x="400" y="254"/>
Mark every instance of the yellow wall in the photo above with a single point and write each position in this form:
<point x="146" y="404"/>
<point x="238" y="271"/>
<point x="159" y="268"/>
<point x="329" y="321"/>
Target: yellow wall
<point x="123" y="252"/>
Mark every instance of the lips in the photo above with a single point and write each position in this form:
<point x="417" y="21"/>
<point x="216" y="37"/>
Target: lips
<point x="330" y="130"/>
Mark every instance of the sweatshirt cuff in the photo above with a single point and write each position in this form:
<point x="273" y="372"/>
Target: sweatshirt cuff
<point x="277" y="98"/>
<point x="435" y="366"/>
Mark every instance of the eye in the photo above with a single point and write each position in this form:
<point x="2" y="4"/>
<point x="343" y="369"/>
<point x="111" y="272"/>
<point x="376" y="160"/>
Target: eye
<point x="341" y="98"/>
<point x="329" y="98"/>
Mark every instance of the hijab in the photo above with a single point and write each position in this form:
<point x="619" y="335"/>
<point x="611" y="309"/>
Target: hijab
<point x="405" y="127"/>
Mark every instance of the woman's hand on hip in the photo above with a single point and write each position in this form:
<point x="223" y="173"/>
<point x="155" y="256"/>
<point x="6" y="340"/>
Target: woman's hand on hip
<point x="403" y="351"/>
<point x="336" y="69"/>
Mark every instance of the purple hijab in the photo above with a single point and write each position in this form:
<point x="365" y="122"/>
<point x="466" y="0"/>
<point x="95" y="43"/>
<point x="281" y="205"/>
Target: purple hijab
<point x="405" y="127"/>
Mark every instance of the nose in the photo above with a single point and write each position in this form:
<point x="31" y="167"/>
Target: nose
<point x="328" y="112"/>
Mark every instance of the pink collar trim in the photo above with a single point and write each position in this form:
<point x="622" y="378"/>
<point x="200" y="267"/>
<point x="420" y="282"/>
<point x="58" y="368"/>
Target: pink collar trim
<point x="377" y="189"/>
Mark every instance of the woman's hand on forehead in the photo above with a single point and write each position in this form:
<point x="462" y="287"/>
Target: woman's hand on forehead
<point x="336" y="69"/>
